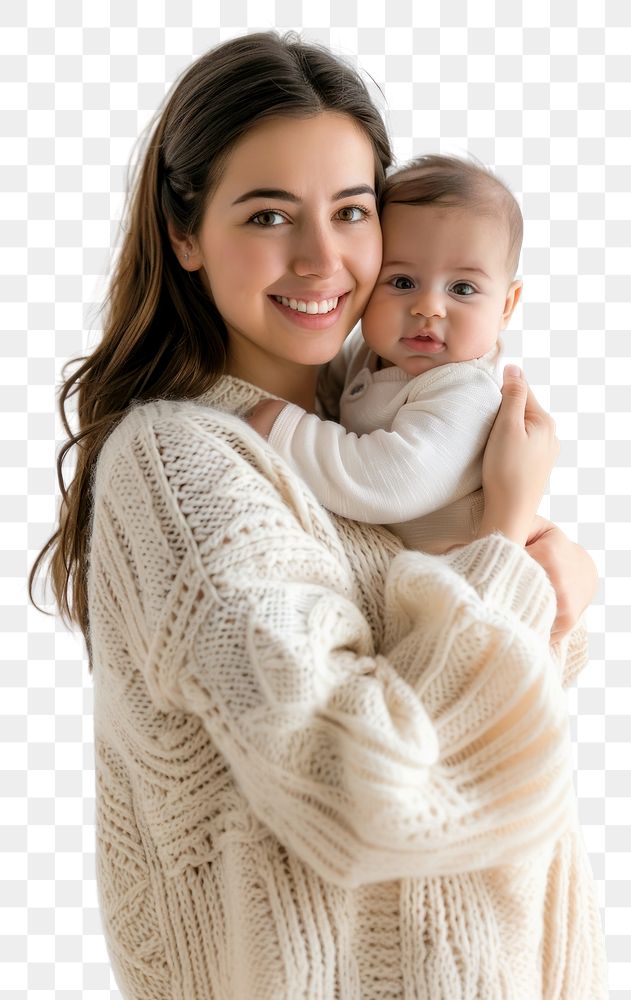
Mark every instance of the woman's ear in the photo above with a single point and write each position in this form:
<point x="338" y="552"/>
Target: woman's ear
<point x="185" y="249"/>
<point x="513" y="296"/>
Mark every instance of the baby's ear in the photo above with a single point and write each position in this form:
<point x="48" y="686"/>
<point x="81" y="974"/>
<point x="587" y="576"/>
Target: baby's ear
<point x="513" y="296"/>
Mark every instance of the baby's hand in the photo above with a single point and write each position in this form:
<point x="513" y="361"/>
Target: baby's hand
<point x="264" y="414"/>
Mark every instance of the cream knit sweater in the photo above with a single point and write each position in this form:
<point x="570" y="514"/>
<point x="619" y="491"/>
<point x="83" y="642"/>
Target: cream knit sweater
<point x="326" y="767"/>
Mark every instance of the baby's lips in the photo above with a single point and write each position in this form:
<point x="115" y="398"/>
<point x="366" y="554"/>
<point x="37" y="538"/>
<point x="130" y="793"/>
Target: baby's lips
<point x="428" y="335"/>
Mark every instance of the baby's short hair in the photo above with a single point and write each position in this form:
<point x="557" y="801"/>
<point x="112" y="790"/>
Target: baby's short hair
<point x="449" y="180"/>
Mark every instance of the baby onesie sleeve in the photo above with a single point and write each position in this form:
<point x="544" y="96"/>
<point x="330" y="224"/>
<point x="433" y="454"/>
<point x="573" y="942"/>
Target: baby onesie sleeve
<point x="446" y="750"/>
<point x="431" y="456"/>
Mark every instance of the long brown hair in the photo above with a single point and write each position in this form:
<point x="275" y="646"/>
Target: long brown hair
<point x="162" y="335"/>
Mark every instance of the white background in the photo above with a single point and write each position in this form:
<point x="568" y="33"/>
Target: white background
<point x="540" y="95"/>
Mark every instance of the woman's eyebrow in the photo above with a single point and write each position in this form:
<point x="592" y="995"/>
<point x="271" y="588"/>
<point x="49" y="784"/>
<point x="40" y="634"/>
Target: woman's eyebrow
<point x="280" y="195"/>
<point x="353" y="191"/>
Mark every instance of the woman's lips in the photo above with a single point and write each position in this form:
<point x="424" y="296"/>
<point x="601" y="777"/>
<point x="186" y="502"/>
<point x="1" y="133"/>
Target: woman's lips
<point x="311" y="321"/>
<point x="423" y="344"/>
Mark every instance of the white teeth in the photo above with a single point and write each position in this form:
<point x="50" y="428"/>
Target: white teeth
<point x="311" y="307"/>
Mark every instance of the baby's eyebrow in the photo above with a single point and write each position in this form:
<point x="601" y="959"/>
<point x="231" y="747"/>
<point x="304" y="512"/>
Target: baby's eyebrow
<point x="468" y="269"/>
<point x="475" y="270"/>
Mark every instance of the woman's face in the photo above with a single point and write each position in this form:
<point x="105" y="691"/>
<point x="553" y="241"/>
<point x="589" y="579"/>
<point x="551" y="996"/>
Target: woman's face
<point x="290" y="243"/>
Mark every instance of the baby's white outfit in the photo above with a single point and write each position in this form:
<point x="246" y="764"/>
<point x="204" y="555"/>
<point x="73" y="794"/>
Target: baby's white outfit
<point x="408" y="449"/>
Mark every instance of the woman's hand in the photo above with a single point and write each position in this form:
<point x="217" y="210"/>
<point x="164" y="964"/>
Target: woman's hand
<point x="518" y="459"/>
<point x="264" y="414"/>
<point x="571" y="571"/>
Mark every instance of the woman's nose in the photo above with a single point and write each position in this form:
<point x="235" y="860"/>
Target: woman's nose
<point x="316" y="252"/>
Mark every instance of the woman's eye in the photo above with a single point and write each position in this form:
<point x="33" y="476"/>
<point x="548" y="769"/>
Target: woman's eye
<point x="268" y="218"/>
<point x="352" y="213"/>
<point x="402" y="283"/>
<point x="462" y="288"/>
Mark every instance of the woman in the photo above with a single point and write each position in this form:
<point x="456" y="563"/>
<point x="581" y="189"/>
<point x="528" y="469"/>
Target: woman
<point x="326" y="767"/>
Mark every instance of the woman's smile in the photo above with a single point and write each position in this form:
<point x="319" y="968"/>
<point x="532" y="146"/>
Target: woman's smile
<point x="311" y="314"/>
<point x="311" y="306"/>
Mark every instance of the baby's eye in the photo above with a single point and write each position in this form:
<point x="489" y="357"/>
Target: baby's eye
<point x="462" y="288"/>
<point x="402" y="282"/>
<point x="268" y="218"/>
<point x="352" y="213"/>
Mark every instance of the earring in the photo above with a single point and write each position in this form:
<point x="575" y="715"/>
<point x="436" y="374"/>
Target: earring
<point x="185" y="256"/>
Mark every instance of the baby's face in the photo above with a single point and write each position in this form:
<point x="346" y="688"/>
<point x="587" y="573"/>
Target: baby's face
<point x="443" y="293"/>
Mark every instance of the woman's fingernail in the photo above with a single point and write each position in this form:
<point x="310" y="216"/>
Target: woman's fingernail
<point x="513" y="370"/>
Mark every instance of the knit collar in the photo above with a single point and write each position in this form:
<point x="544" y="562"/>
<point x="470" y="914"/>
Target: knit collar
<point x="233" y="395"/>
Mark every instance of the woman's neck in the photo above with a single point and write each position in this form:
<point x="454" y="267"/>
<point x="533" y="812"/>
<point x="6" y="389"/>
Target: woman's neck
<point x="295" y="383"/>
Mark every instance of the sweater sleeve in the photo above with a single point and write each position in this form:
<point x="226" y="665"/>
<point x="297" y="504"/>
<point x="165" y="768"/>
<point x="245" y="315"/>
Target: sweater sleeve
<point x="430" y="457"/>
<point x="445" y="751"/>
<point x="572" y="653"/>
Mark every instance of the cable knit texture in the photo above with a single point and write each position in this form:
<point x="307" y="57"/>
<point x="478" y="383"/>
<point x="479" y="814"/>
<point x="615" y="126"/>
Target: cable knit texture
<point x="327" y="767"/>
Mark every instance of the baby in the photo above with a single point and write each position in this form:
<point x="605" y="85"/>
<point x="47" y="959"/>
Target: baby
<point x="419" y="385"/>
